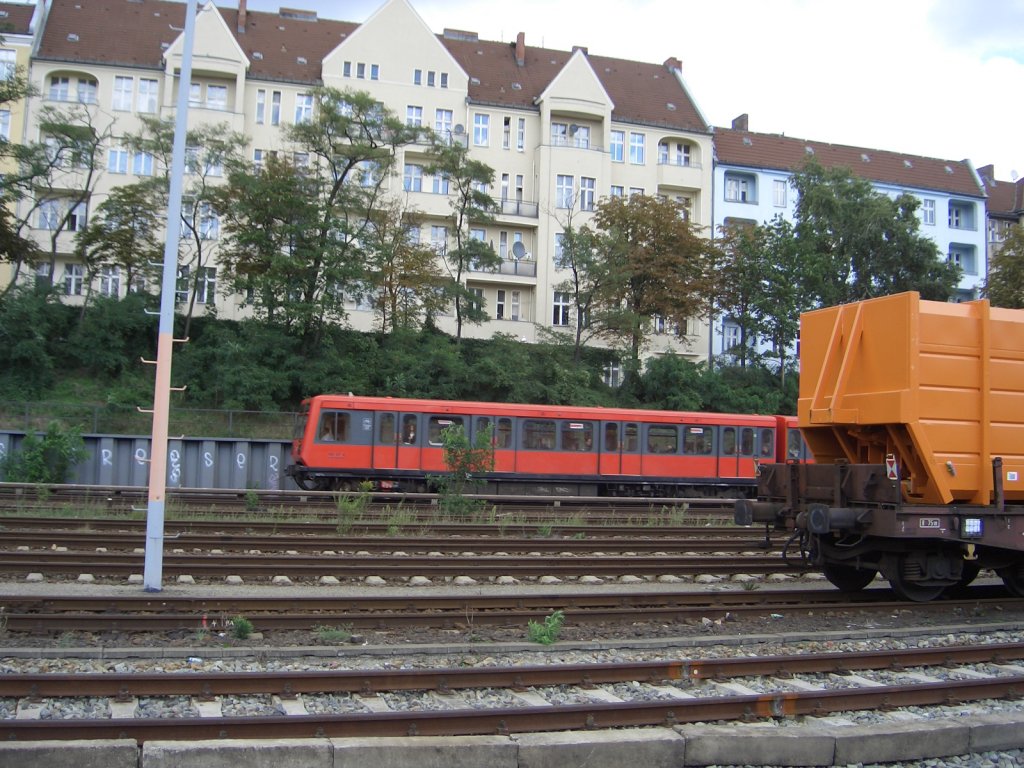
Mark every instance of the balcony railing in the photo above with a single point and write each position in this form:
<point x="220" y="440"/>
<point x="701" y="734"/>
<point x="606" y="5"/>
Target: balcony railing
<point x="518" y="208"/>
<point x="514" y="267"/>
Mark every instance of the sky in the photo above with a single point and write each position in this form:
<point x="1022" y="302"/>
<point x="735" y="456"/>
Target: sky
<point x="934" y="78"/>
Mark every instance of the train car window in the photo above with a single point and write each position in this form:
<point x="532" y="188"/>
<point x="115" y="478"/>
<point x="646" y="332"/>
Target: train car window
<point x="480" y="425"/>
<point x="662" y="438"/>
<point x="631" y="438"/>
<point x="728" y="441"/>
<point x="387" y="434"/>
<point x="437" y="424"/>
<point x="747" y="441"/>
<point x="794" y="444"/>
<point x="577" y="436"/>
<point x="698" y="441"/>
<point x="410" y="424"/>
<point x="767" y="443"/>
<point x="503" y="436"/>
<point x="334" y="427"/>
<point x="539" y="435"/>
<point x="611" y="437"/>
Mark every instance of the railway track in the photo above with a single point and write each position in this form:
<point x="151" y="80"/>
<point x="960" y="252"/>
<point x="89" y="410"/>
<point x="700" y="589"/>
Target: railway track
<point x="519" y="698"/>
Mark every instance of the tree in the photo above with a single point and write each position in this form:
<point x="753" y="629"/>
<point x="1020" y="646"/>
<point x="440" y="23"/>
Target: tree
<point x="210" y="149"/>
<point x="14" y="247"/>
<point x="1005" y="284"/>
<point x="580" y="255"/>
<point x="857" y="243"/>
<point x="465" y="180"/>
<point x="656" y="264"/>
<point x="295" y="228"/>
<point x="403" y="276"/>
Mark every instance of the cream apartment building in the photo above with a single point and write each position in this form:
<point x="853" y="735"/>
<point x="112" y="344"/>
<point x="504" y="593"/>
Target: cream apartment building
<point x="561" y="129"/>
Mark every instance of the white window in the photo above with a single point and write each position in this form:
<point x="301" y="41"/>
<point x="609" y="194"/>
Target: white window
<point x="613" y="376"/>
<point x="5" y="124"/>
<point x="275" y="107"/>
<point x="439" y="239"/>
<point x="206" y="290"/>
<point x="87" y="91"/>
<point x="431" y="76"/>
<point x="412" y="179"/>
<point x="581" y="138"/>
<point x="503" y="244"/>
<point x="123" y="87"/>
<point x="617" y="190"/>
<point x="499" y="306"/>
<point x="504" y="186"/>
<point x="519" y="187"/>
<point x="478" y="233"/>
<point x="738" y="189"/>
<point x="588" y="189"/>
<point x="731" y="334"/>
<point x="559" y="240"/>
<point x="195" y="94"/>
<point x="414" y="116"/>
<point x="346" y="69"/>
<point x="147" y="95"/>
<point x="560" y="309"/>
<point x="217" y="97"/>
<point x="514" y="304"/>
<point x="637" y="148"/>
<point x="521" y="134"/>
<point x="77" y="219"/>
<point x="8" y="63"/>
<point x="261" y="106"/>
<point x="361" y="70"/>
<point x="257" y="160"/>
<point x="618" y="146"/>
<point x="117" y="160"/>
<point x="443" y="122"/>
<point x="74" y="279"/>
<point x="303" y="108"/>
<point x="209" y="224"/>
<point x="559" y="134"/>
<point x="444" y="79"/>
<point x="60" y="89"/>
<point x="481" y="130"/>
<point x="928" y="212"/>
<point x="506" y="134"/>
<point x="142" y="164"/>
<point x="779" y="193"/>
<point x="181" y="289"/>
<point x="49" y="215"/>
<point x="417" y="76"/>
<point x="375" y="71"/>
<point x="440" y="184"/>
<point x="110" y="281"/>
<point x="636" y="191"/>
<point x="563" y="191"/>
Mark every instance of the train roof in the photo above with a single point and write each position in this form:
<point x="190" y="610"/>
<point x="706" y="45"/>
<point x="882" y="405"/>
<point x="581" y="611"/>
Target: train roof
<point x="541" y="411"/>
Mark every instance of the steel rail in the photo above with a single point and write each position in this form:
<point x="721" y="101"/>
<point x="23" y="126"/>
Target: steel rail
<point x="518" y="720"/>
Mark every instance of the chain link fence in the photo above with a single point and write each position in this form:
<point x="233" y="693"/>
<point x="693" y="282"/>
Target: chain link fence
<point x="122" y="420"/>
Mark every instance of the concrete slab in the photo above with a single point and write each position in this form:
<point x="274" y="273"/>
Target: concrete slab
<point x="997" y="732"/>
<point x="757" y="744"/>
<point x="650" y="747"/>
<point x="892" y="742"/>
<point x="424" y="752"/>
<point x="262" y="753"/>
<point x="103" y="753"/>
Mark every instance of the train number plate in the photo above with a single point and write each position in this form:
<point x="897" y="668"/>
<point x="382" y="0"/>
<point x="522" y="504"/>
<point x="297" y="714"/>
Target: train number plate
<point x="930" y="522"/>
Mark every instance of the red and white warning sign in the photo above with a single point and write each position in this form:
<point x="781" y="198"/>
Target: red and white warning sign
<point x="891" y="470"/>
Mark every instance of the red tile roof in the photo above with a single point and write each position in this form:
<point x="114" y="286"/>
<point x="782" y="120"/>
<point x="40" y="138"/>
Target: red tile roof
<point x="1005" y="198"/>
<point x="131" y="33"/>
<point x="18" y="18"/>
<point x="785" y="153"/>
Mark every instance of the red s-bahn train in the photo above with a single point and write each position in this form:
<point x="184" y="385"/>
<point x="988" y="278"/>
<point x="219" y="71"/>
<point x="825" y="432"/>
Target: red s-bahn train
<point x="396" y="444"/>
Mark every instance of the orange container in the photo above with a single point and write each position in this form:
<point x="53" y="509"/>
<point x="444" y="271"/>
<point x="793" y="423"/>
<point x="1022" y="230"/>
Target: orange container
<point x="936" y="389"/>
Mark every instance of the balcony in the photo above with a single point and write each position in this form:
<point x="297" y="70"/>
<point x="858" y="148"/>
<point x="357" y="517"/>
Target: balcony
<point x="510" y="267"/>
<point x="679" y="174"/>
<point x="517" y="208"/>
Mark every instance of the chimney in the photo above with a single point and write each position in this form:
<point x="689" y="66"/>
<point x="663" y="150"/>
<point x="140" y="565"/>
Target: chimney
<point x="673" y="64"/>
<point x="241" y="17"/>
<point x="521" y="49"/>
<point x="741" y="123"/>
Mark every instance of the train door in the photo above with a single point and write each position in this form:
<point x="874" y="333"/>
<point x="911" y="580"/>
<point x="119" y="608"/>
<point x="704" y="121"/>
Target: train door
<point x="433" y="449"/>
<point x="501" y="440"/>
<point x="408" y="452"/>
<point x="736" y="451"/>
<point x="620" y="448"/>
<point x="385" y="440"/>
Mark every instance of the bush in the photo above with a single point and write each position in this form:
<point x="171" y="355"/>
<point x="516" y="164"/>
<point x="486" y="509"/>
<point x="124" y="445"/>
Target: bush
<point x="48" y="459"/>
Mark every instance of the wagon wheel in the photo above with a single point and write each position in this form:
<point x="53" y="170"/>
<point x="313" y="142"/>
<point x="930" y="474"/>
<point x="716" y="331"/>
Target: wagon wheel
<point x="846" y="578"/>
<point x="909" y="589"/>
<point x="306" y="483"/>
<point x="1013" y="578"/>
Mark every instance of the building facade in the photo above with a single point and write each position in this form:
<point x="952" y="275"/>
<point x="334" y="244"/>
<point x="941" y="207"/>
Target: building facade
<point x="561" y="129"/>
<point x="752" y="184"/>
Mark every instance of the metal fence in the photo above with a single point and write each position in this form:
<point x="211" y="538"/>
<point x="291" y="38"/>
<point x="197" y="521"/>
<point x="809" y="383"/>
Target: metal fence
<point x="122" y="420"/>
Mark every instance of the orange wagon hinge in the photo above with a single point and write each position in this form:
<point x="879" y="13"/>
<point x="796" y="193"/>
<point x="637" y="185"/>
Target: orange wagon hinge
<point x="819" y="413"/>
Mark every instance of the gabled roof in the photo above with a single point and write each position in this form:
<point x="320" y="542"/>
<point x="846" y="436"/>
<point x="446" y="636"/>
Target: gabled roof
<point x="16" y="18"/>
<point x="1005" y="198"/>
<point x="784" y="153"/>
<point x="135" y="33"/>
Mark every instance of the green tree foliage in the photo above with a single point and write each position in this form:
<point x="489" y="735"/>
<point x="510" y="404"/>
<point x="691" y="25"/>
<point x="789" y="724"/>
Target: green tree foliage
<point x="295" y="229"/>
<point x="15" y="249"/>
<point x="46" y="459"/>
<point x="110" y="338"/>
<point x="857" y="243"/>
<point x="32" y="324"/>
<point x="589" y="273"/>
<point x="471" y="207"/>
<point x="466" y="463"/>
<point x="657" y="264"/>
<point x="1005" y="284"/>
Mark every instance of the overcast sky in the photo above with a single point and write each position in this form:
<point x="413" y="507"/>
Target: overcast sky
<point x="938" y="78"/>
